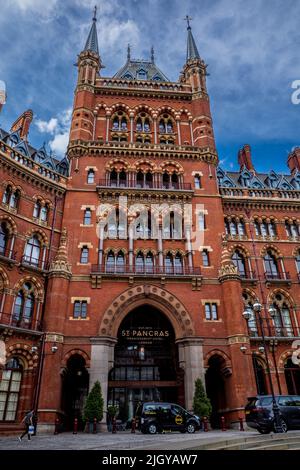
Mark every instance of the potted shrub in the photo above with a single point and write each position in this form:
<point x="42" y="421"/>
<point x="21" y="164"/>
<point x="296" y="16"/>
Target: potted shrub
<point x="112" y="412"/>
<point x="93" y="406"/>
<point x="201" y="403"/>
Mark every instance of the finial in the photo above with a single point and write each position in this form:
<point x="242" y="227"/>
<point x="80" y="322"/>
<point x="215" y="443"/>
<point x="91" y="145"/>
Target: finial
<point x="128" y="52"/>
<point x="95" y="13"/>
<point x="188" y="19"/>
<point x="152" y="55"/>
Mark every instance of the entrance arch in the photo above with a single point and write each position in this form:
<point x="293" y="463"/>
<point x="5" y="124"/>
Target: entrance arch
<point x="146" y="366"/>
<point x="190" y="347"/>
<point x="153" y="295"/>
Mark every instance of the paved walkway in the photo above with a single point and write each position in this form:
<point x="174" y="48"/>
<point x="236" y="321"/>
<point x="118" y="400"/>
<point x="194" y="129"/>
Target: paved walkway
<point x="119" y="441"/>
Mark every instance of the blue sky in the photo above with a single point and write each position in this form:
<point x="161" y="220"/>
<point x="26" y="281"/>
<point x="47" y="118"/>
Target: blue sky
<point x="251" y="46"/>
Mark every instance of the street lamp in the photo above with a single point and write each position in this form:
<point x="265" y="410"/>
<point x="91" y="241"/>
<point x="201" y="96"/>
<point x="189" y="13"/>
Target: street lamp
<point x="257" y="307"/>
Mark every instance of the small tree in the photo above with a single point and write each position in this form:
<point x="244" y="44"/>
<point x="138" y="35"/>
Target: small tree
<point x="94" y="404"/>
<point x="201" y="403"/>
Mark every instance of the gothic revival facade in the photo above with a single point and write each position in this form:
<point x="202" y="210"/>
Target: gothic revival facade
<point x="132" y="260"/>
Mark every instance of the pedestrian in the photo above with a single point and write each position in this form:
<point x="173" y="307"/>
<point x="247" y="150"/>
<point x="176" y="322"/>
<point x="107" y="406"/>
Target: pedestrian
<point x="28" y="421"/>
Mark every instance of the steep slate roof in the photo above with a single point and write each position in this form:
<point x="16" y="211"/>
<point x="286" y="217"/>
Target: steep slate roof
<point x="40" y="156"/>
<point x="92" y="40"/>
<point x="271" y="180"/>
<point x="192" y="51"/>
<point x="134" y="68"/>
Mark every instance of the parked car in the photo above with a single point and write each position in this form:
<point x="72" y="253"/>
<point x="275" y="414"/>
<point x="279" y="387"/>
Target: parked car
<point x="259" y="412"/>
<point x="155" y="417"/>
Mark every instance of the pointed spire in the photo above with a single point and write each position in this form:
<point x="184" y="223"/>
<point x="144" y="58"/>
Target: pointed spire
<point x="92" y="40"/>
<point x="128" y="52"/>
<point x="192" y="51"/>
<point x="152" y="55"/>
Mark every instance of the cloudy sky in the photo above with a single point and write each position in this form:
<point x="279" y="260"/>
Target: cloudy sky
<point x="251" y="46"/>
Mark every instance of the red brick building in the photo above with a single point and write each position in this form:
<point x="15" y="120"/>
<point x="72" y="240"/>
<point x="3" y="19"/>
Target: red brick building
<point x="132" y="260"/>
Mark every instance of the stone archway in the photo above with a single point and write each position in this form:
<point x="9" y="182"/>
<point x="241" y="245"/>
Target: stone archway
<point x="190" y="350"/>
<point x="151" y="295"/>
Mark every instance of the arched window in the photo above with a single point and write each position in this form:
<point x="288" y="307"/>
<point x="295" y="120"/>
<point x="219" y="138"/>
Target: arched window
<point x="84" y="255"/>
<point x="149" y="179"/>
<point x="14" y="199"/>
<point x="165" y="125"/>
<point x="91" y="176"/>
<point x="292" y="377"/>
<point x="169" y="264"/>
<point x="282" y="319"/>
<point x="271" y="266"/>
<point x="4" y="237"/>
<point x="239" y="261"/>
<point x="166" y="180"/>
<point x="24" y="307"/>
<point x="178" y="264"/>
<point x="248" y="305"/>
<point x="120" y="262"/>
<point x="44" y="213"/>
<point x="149" y="263"/>
<point x="7" y="195"/>
<point x="32" y="251"/>
<point x="120" y="121"/>
<point x="122" y="178"/>
<point x="142" y="123"/>
<point x="139" y="263"/>
<point x="297" y="259"/>
<point x="260" y="376"/>
<point x="10" y="389"/>
<point x="140" y="179"/>
<point x="174" y="180"/>
<point x="113" y="177"/>
<point x="37" y="209"/>
<point x="110" y="262"/>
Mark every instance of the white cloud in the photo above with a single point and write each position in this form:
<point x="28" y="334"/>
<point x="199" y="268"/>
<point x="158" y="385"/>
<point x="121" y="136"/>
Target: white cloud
<point x="47" y="126"/>
<point x="59" y="128"/>
<point x="59" y="144"/>
<point x="41" y="6"/>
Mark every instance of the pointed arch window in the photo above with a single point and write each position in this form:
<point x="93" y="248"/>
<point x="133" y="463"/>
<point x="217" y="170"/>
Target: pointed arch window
<point x="44" y="213"/>
<point x="122" y="178"/>
<point x="239" y="262"/>
<point x="120" y="262"/>
<point x="169" y="263"/>
<point x="10" y="386"/>
<point x="260" y="376"/>
<point x="178" y="264"/>
<point x="33" y="251"/>
<point x="297" y="259"/>
<point x="37" y="209"/>
<point x="149" y="263"/>
<point x="292" y="378"/>
<point x="110" y="262"/>
<point x="282" y="320"/>
<point x="24" y="306"/>
<point x="139" y="263"/>
<point x="4" y="237"/>
<point x="7" y="195"/>
<point x="271" y="265"/>
<point x="197" y="181"/>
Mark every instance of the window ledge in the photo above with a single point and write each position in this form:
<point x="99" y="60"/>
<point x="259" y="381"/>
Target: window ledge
<point x="79" y="318"/>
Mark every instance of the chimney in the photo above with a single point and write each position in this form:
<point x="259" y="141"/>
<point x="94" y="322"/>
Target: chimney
<point x="23" y="123"/>
<point x="245" y="159"/>
<point x="294" y="160"/>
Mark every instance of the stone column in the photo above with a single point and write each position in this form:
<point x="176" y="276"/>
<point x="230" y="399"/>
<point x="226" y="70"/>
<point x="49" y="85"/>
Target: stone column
<point x="102" y="360"/>
<point x="191" y="361"/>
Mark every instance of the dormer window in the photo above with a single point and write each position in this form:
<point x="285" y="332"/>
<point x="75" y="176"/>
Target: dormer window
<point x="141" y="74"/>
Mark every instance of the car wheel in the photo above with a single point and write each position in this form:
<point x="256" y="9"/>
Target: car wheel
<point x="283" y="425"/>
<point x="264" y="430"/>
<point x="191" y="428"/>
<point x="152" y="428"/>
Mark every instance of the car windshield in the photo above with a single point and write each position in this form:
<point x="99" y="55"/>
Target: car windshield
<point x="252" y="402"/>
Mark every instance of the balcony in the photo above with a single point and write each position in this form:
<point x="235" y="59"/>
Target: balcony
<point x="248" y="277"/>
<point x="278" y="278"/>
<point x="34" y="263"/>
<point x="8" y="256"/>
<point x="145" y="270"/>
<point x="144" y="185"/>
<point x="8" y="320"/>
<point x="272" y="331"/>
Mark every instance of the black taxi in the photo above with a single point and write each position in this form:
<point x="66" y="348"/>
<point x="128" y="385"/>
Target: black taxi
<point x="153" y="417"/>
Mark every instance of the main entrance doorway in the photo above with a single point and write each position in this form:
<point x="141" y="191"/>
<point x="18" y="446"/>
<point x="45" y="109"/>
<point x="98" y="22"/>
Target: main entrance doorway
<point x="146" y="362"/>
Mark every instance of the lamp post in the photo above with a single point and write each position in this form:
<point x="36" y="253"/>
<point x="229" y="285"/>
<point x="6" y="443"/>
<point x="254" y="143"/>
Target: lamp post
<point x="257" y="307"/>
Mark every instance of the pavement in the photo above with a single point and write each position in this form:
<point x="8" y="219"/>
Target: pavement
<point x="121" y="441"/>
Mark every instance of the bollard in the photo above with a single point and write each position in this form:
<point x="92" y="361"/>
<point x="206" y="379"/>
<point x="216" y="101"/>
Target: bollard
<point x="241" y="424"/>
<point x="114" y="426"/>
<point x="75" y="427"/>
<point x="205" y="424"/>
<point x="56" y="426"/>
<point x="223" y="426"/>
<point x="133" y="425"/>
<point x="95" y="426"/>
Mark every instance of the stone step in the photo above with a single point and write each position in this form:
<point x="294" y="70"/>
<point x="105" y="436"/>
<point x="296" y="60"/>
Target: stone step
<point x="264" y="443"/>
